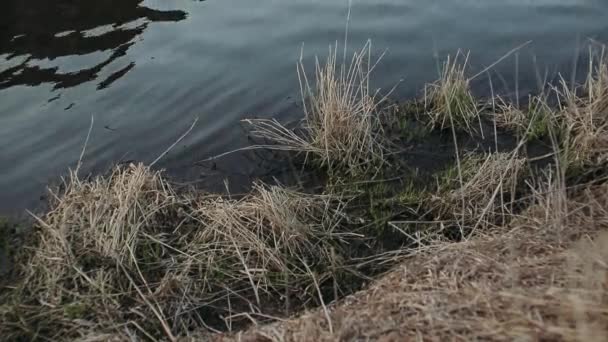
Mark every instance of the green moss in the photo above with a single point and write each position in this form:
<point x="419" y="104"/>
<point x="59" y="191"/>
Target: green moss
<point x="541" y="119"/>
<point x="412" y="195"/>
<point x="76" y="310"/>
<point x="381" y="212"/>
<point x="151" y="252"/>
<point x="411" y="130"/>
<point x="448" y="178"/>
<point x="378" y="195"/>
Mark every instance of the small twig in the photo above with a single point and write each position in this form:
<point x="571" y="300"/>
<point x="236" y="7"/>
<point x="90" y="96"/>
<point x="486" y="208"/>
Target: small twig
<point x="154" y="309"/>
<point x="253" y="286"/>
<point x="175" y="143"/>
<point x="86" y="142"/>
<point x="325" y="310"/>
<point x="501" y="59"/>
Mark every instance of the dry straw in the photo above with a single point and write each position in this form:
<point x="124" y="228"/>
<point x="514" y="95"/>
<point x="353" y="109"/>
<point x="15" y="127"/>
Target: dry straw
<point x="449" y="100"/>
<point x="127" y="255"/>
<point x="584" y="114"/>
<point x="341" y="128"/>
<point x="528" y="281"/>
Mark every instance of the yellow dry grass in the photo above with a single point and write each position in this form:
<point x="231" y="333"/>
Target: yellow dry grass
<point x="584" y="114"/>
<point x="474" y="191"/>
<point x="531" y="281"/>
<point x="341" y="127"/>
<point x="449" y="101"/>
<point x="127" y="256"/>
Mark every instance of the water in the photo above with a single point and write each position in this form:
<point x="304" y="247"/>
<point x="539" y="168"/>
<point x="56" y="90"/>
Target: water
<point x="146" y="69"/>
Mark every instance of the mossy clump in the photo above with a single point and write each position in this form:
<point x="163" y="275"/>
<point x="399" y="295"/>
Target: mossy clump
<point x="449" y="101"/>
<point x="537" y="121"/>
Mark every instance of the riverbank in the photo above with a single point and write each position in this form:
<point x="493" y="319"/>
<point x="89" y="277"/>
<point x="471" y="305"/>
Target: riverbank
<point x="464" y="206"/>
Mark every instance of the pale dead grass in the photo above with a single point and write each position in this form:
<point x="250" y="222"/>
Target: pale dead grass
<point x="532" y="281"/>
<point x="86" y="255"/>
<point x="125" y="256"/>
<point x="264" y="244"/>
<point x="449" y="101"/>
<point x="579" y="124"/>
<point x="533" y="122"/>
<point x="477" y="191"/>
<point x="341" y="127"/>
<point x="585" y="113"/>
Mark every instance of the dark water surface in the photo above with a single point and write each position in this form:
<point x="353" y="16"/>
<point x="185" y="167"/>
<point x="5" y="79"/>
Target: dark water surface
<point x="146" y="69"/>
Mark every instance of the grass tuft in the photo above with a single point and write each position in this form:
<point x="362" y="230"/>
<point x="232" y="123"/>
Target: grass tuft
<point x="126" y="254"/>
<point x="485" y="181"/>
<point x="449" y="100"/>
<point x="584" y="114"/>
<point x="534" y="122"/>
<point x="528" y="281"/>
<point x="341" y="128"/>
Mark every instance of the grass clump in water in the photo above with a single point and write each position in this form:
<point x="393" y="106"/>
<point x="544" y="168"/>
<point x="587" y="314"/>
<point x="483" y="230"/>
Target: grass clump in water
<point x="449" y="100"/>
<point x="341" y="127"/>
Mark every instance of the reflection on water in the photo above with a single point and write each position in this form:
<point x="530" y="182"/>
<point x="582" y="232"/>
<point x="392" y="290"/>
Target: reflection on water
<point x="39" y="30"/>
<point x="145" y="69"/>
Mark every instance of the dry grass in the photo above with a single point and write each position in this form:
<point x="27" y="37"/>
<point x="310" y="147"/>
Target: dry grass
<point x="538" y="275"/>
<point x="533" y="122"/>
<point x="579" y="125"/>
<point x="449" y="101"/>
<point x="126" y="256"/>
<point x="528" y="282"/>
<point x="584" y="113"/>
<point x="264" y="244"/>
<point x="476" y="192"/>
<point x="341" y="128"/>
<point x="85" y="260"/>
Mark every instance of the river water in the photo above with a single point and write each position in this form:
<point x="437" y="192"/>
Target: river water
<point x="144" y="70"/>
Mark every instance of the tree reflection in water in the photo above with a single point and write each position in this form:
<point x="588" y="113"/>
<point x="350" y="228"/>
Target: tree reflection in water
<point x="34" y="30"/>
